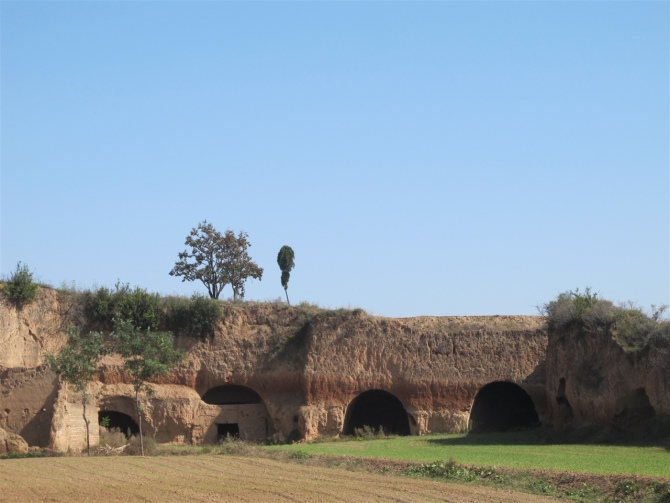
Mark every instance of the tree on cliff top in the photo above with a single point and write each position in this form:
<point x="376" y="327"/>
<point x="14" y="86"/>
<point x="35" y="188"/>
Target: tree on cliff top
<point x="76" y="364"/>
<point x="286" y="261"/>
<point x="19" y="287"/>
<point x="217" y="260"/>
<point x="147" y="355"/>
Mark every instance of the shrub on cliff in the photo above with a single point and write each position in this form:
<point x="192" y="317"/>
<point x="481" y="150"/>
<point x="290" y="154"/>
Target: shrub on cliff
<point x="136" y="305"/>
<point x="586" y="312"/>
<point x="580" y="311"/>
<point x="19" y="288"/>
<point x="196" y="317"/>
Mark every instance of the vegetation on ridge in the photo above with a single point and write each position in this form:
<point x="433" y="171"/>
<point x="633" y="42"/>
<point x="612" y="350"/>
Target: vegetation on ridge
<point x="587" y="313"/>
<point x="19" y="287"/>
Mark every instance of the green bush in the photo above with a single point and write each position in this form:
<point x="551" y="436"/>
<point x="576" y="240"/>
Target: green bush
<point x="195" y="317"/>
<point x="19" y="287"/>
<point x="136" y="305"/>
<point x="97" y="310"/>
<point x="453" y="471"/>
<point x="635" y="328"/>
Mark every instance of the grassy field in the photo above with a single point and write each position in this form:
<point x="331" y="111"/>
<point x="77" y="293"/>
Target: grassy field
<point x="514" y="450"/>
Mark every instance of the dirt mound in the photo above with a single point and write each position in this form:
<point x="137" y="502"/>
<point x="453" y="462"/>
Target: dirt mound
<point x="12" y="443"/>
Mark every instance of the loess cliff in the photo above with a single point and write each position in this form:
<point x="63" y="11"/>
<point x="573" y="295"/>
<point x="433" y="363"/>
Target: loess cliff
<point x="273" y="371"/>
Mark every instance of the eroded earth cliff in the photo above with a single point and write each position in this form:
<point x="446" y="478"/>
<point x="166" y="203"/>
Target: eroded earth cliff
<point x="270" y="370"/>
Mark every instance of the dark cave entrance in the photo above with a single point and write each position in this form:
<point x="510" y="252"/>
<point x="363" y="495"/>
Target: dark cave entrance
<point x="376" y="408"/>
<point x="226" y="430"/>
<point x="231" y="394"/>
<point x="633" y="409"/>
<point x="502" y="406"/>
<point x="123" y="422"/>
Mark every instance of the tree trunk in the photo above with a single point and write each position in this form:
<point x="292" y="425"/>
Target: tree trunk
<point x="286" y="291"/>
<point x="139" y="420"/>
<point x="84" y="400"/>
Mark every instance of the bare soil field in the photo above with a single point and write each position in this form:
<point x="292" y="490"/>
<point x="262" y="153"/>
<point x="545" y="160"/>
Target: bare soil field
<point x="220" y="478"/>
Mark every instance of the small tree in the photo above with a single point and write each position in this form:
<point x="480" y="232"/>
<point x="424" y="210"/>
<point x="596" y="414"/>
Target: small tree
<point x="76" y="364"/>
<point x="239" y="266"/>
<point x="217" y="260"/>
<point x="147" y="355"/>
<point x="20" y="288"/>
<point x="286" y="262"/>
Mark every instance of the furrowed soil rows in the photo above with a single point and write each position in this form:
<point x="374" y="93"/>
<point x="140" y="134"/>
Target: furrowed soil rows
<point x="218" y="478"/>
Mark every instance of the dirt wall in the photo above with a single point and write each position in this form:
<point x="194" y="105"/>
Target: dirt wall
<point x="307" y="366"/>
<point x="591" y="378"/>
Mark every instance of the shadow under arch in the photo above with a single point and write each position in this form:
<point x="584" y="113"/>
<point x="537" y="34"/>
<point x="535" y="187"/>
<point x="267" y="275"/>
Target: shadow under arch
<point x="231" y="394"/>
<point x="376" y="408"/>
<point x="502" y="406"/>
<point x="242" y="414"/>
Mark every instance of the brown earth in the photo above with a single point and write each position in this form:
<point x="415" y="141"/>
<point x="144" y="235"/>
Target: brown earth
<point x="12" y="443"/>
<point x="592" y="378"/>
<point x="217" y="478"/>
<point x="308" y="366"/>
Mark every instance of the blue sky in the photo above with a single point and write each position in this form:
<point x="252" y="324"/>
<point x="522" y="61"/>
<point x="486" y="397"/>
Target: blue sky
<point x="421" y="158"/>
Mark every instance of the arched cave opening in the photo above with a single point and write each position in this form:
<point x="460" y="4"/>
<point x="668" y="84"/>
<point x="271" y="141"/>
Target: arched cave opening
<point x="633" y="409"/>
<point x="502" y="406"/>
<point x="123" y="422"/>
<point x="376" y="408"/>
<point x="242" y="414"/>
<point x="231" y="394"/>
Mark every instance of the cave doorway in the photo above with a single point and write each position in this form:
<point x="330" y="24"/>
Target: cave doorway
<point x="123" y="422"/>
<point x="237" y="411"/>
<point x="502" y="406"/>
<point x="376" y="408"/>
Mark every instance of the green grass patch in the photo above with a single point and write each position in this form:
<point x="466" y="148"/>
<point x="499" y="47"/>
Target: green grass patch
<point x="519" y="450"/>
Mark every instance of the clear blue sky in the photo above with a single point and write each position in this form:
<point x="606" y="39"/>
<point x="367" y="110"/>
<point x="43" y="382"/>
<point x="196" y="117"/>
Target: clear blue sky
<point x="421" y="158"/>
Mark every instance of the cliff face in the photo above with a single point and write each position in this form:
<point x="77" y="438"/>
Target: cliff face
<point x="434" y="366"/>
<point x="591" y="378"/>
<point x="27" y="389"/>
<point x="306" y="369"/>
<point x="26" y="334"/>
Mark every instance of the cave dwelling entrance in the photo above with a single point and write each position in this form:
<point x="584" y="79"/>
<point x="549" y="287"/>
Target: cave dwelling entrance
<point x="376" y="408"/>
<point x="118" y="420"/>
<point x="502" y="406"/>
<point x="241" y="414"/>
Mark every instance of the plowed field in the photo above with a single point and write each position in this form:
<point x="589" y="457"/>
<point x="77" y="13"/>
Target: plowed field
<point x="219" y="478"/>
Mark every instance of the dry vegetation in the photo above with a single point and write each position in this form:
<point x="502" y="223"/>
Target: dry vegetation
<point x="220" y="478"/>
